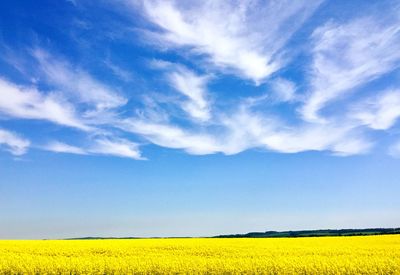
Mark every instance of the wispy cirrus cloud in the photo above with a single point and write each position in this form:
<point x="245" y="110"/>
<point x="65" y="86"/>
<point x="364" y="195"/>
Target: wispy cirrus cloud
<point x="78" y="100"/>
<point x="119" y="72"/>
<point x="250" y="129"/>
<point x="109" y="146"/>
<point x="13" y="142"/>
<point x="29" y="103"/>
<point x="379" y="112"/>
<point x="346" y="56"/>
<point x="61" y="147"/>
<point x="283" y="90"/>
<point x="171" y="136"/>
<point x="195" y="98"/>
<point x="116" y="147"/>
<point x="243" y="128"/>
<point x="77" y="82"/>
<point x="193" y="86"/>
<point x="245" y="37"/>
<point x="245" y="40"/>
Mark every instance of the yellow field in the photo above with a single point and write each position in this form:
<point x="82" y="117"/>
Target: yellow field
<point x="323" y="255"/>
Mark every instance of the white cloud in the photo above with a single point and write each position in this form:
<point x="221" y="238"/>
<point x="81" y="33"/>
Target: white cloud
<point x="191" y="85"/>
<point x="243" y="129"/>
<point x="100" y="146"/>
<point x="379" y="112"/>
<point x="60" y="147"/>
<point x="13" y="143"/>
<point x="283" y="90"/>
<point x="75" y="81"/>
<point x="246" y="36"/>
<point x="171" y="136"/>
<point x="339" y="139"/>
<point x="194" y="88"/>
<point x="29" y="103"/>
<point x="116" y="147"/>
<point x="352" y="146"/>
<point x="347" y="56"/>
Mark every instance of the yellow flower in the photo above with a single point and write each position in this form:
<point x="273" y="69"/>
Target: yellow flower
<point x="321" y="255"/>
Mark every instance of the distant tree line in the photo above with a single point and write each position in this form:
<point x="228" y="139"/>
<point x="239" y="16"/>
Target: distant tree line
<point x="281" y="234"/>
<point x="315" y="233"/>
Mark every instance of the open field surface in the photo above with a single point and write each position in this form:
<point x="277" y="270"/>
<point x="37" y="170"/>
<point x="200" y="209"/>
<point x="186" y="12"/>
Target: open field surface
<point x="318" y="255"/>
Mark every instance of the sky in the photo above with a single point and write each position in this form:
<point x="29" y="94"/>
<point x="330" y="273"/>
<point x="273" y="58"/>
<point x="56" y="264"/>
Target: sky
<point x="197" y="118"/>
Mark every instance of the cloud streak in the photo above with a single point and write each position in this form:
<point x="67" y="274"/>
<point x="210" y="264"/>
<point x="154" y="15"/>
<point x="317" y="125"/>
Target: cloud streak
<point x="99" y="146"/>
<point x="13" y="143"/>
<point x="29" y="103"/>
<point x="192" y="86"/>
<point x="379" y="112"/>
<point x="245" y="37"/>
<point x="77" y="82"/>
<point x="244" y="129"/>
<point x="346" y="56"/>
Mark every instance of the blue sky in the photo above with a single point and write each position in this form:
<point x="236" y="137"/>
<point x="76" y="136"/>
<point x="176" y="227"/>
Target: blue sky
<point x="178" y="118"/>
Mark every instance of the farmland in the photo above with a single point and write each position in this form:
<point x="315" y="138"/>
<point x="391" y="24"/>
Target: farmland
<point x="314" y="255"/>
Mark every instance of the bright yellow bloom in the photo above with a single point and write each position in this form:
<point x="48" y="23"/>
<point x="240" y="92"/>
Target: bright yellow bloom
<point x="322" y="255"/>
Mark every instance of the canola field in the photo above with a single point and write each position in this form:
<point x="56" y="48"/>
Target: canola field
<point x="322" y="255"/>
